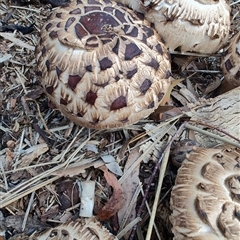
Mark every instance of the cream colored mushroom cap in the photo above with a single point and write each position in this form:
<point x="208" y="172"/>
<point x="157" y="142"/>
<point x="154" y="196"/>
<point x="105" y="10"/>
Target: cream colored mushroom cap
<point x="101" y="65"/>
<point x="189" y="25"/>
<point x="231" y="61"/>
<point x="205" y="200"/>
<point x="84" y="229"/>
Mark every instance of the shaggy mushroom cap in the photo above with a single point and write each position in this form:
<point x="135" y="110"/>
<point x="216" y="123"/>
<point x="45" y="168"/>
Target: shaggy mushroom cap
<point x="205" y="200"/>
<point x="231" y="61"/>
<point x="86" y="228"/>
<point x="188" y="25"/>
<point x="101" y="65"/>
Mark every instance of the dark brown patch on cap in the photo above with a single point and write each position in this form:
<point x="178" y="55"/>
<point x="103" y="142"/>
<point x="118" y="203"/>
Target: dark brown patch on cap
<point x="58" y="25"/>
<point x="120" y="16"/>
<point x="91" y="8"/>
<point x="43" y="50"/>
<point x="159" y="48"/>
<point x="41" y="41"/>
<point x="58" y="71"/>
<point x="238" y="75"/>
<point x="105" y="63"/>
<point x="53" y="34"/>
<point x="76" y="11"/>
<point x="80" y="31"/>
<point x="148" y="31"/>
<point x="79" y="2"/>
<point x="108" y="9"/>
<point x="146" y="84"/>
<point x="48" y="65"/>
<point x="91" y="97"/>
<point x="118" y="103"/>
<point x="160" y="96"/>
<point x="49" y="90"/>
<point x="116" y="47"/>
<point x="48" y="26"/>
<point x="95" y="21"/>
<point x="59" y="15"/>
<point x="133" y="33"/>
<point x="89" y="68"/>
<point x="69" y="22"/>
<point x="73" y="80"/>
<point x="228" y="65"/>
<point x="151" y="105"/>
<point x="168" y="74"/>
<point x="132" y="50"/>
<point x="117" y="78"/>
<point x="107" y="1"/>
<point x="154" y="63"/>
<point x="140" y="15"/>
<point x="131" y="73"/>
<point x="93" y="2"/>
<point x="63" y="101"/>
<point x="126" y="27"/>
<point x="104" y="41"/>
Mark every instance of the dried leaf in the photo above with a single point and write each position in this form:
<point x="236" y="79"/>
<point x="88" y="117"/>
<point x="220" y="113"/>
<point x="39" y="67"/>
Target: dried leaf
<point x="117" y="199"/>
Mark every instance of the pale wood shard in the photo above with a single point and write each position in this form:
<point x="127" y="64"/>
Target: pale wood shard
<point x="222" y="112"/>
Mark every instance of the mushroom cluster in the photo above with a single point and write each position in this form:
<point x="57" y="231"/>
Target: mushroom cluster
<point x="231" y="61"/>
<point x="205" y="200"/>
<point x="101" y="64"/>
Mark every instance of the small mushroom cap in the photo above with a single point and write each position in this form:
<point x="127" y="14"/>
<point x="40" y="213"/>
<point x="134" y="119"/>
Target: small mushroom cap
<point x="190" y="25"/>
<point x="231" y="61"/>
<point x="205" y="200"/>
<point x="101" y="65"/>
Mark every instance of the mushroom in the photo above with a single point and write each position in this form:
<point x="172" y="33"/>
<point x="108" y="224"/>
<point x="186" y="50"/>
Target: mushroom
<point x="85" y="228"/>
<point x="188" y="25"/>
<point x="205" y="200"/>
<point x="101" y="65"/>
<point x="231" y="62"/>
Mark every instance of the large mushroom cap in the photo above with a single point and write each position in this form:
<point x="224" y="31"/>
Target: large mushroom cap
<point x="205" y="200"/>
<point x="231" y="61"/>
<point x="190" y="25"/>
<point x="101" y="65"/>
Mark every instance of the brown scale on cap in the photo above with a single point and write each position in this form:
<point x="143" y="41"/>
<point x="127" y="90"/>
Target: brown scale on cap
<point x="101" y="65"/>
